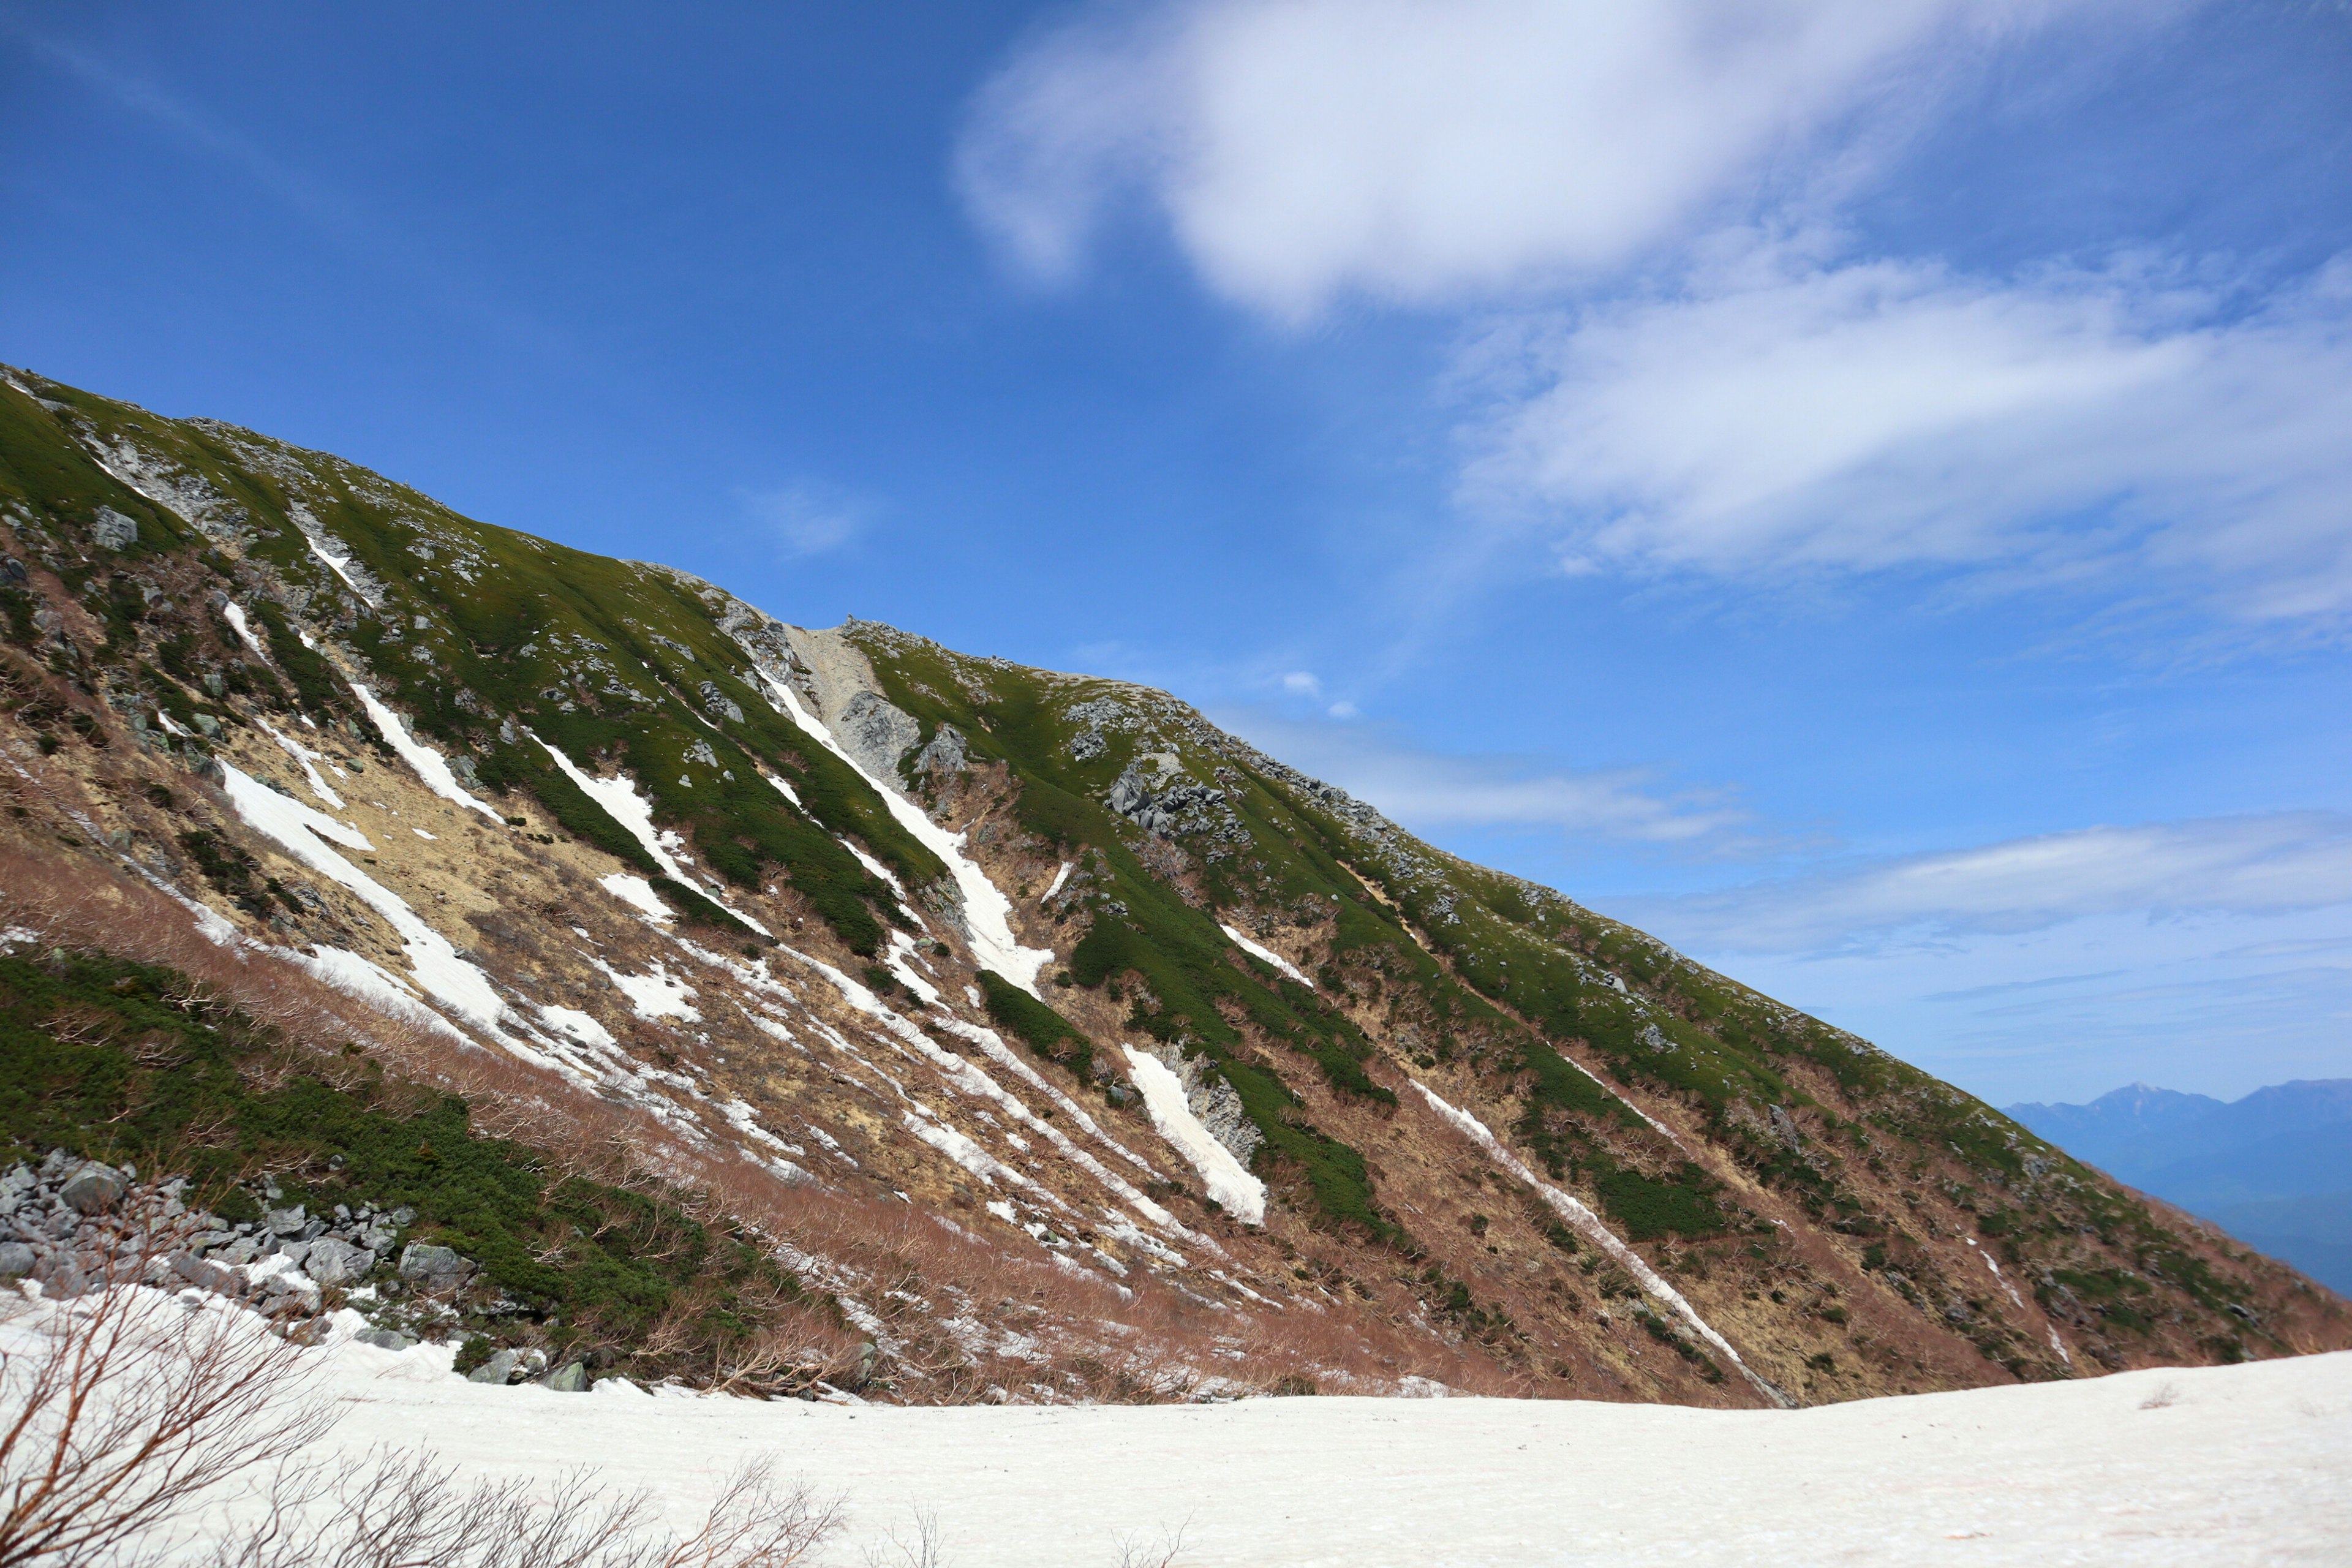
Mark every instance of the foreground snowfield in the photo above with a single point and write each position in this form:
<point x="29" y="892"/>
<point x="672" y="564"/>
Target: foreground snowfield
<point x="2209" y="1465"/>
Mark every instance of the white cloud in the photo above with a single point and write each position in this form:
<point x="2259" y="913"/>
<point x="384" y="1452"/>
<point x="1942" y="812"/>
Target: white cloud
<point x="807" y="518"/>
<point x="1301" y="683"/>
<point x="1782" y="412"/>
<point x="1426" y="791"/>
<point x="2241" y="866"/>
<point x="1414" y="149"/>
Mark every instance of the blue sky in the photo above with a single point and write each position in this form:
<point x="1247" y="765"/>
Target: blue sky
<point x="1861" y="490"/>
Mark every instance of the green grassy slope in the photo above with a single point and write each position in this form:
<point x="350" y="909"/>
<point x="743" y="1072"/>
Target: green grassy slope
<point x="1421" y="962"/>
<point x="484" y="636"/>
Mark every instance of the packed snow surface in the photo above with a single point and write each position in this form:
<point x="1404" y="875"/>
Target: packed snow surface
<point x="986" y="911"/>
<point x="2210" y="1467"/>
<point x="1163" y="1096"/>
<point x="1258" y="950"/>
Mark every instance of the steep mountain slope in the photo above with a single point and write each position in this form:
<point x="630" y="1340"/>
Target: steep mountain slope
<point x="1067" y="1045"/>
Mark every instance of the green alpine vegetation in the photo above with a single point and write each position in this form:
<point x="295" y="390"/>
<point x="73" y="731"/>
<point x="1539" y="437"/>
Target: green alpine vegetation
<point x="1321" y="977"/>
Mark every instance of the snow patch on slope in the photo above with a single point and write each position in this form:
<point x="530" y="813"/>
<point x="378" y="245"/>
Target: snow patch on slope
<point x="659" y="994"/>
<point x="1259" y="951"/>
<point x="639" y="894"/>
<point x="310" y="760"/>
<point x="1242" y="1194"/>
<point x="339" y="564"/>
<point x="440" y="972"/>
<point x="430" y="765"/>
<point x="578" y="1025"/>
<point x="619" y="799"/>
<point x="987" y="911"/>
<point x="1590" y="1225"/>
<point x="234" y="614"/>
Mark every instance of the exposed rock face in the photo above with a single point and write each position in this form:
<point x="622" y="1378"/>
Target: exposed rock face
<point x="719" y="705"/>
<point x="1154" y="794"/>
<point x="1213" y="1099"/>
<point x="114" y="530"/>
<point x="876" y="732"/>
<point x="945" y="753"/>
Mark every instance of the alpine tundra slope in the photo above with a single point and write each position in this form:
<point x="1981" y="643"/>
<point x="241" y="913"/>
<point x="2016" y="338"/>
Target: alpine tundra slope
<point x="798" y="1010"/>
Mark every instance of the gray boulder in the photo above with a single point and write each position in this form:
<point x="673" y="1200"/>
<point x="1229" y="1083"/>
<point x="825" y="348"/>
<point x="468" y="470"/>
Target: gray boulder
<point x="206" y="1275"/>
<point x="285" y="1221"/>
<point x="719" y="705"/>
<point x="945" y="754"/>
<point x="333" y="1262"/>
<point x="16" y="1259"/>
<point x="289" y="1292"/>
<point x="498" y="1369"/>
<point x="93" y="1189"/>
<point x="569" y="1378"/>
<point x="433" y="1267"/>
<point x="61" y="1281"/>
<point x="383" y="1339"/>
<point x="114" y="530"/>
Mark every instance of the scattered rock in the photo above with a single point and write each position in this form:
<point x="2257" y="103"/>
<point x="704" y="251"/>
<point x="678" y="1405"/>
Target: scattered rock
<point x="497" y="1370"/>
<point x="114" y="530"/>
<point x="433" y="1267"/>
<point x="383" y="1339"/>
<point x="206" y="1275"/>
<point x="571" y="1378"/>
<point x="93" y="1189"/>
<point x="285" y="1221"/>
<point x="333" y="1262"/>
<point x="15" y="1259"/>
<point x="719" y="705"/>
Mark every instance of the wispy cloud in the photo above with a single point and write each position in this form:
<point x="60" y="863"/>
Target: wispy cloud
<point x="1665" y="392"/>
<point x="1414" y="149"/>
<point x="807" y="518"/>
<point x="2264" y="865"/>
<point x="1781" y="415"/>
<point x="1428" y="790"/>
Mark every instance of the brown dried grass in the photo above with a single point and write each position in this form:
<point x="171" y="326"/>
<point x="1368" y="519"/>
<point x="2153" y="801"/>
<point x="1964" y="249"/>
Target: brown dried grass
<point x="1142" y="1340"/>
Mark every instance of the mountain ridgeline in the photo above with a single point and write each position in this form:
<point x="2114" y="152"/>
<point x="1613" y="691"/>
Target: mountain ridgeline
<point x="1043" y="965"/>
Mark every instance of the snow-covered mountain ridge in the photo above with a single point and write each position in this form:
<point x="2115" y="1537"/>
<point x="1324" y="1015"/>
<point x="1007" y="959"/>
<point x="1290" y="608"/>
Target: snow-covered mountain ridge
<point x="952" y="979"/>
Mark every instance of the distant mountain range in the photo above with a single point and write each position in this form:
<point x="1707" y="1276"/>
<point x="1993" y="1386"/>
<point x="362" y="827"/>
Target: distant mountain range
<point x="2274" y="1169"/>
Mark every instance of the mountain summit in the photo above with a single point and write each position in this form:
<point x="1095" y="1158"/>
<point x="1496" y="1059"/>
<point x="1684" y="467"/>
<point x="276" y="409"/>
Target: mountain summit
<point x="1026" y="1035"/>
